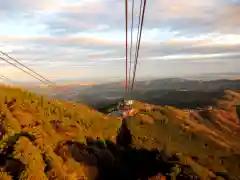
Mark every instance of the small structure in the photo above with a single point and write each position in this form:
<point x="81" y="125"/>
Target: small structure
<point x="129" y="102"/>
<point x="210" y="108"/>
<point x="125" y="104"/>
<point x="124" y="109"/>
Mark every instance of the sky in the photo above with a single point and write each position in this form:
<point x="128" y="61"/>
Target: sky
<point x="84" y="39"/>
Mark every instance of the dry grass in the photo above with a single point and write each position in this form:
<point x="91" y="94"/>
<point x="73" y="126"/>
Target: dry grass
<point x="32" y="127"/>
<point x="211" y="136"/>
<point x="49" y="121"/>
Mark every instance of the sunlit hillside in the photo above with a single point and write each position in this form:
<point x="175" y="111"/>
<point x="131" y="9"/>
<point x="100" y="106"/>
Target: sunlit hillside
<point x="32" y="127"/>
<point x="208" y="137"/>
<point x="43" y="138"/>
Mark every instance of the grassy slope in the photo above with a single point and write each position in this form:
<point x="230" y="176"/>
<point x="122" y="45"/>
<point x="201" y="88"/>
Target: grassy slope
<point x="208" y="137"/>
<point x="36" y="125"/>
<point x="44" y="138"/>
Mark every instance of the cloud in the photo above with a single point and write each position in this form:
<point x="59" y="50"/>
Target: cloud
<point x="194" y="56"/>
<point x="193" y="16"/>
<point x="87" y="37"/>
<point x="26" y="5"/>
<point x="227" y="19"/>
<point x="66" y="17"/>
<point x="60" y="41"/>
<point x="54" y="74"/>
<point x="85" y="6"/>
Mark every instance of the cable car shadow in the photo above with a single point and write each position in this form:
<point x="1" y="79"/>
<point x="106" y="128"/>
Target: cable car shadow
<point x="124" y="137"/>
<point x="119" y="160"/>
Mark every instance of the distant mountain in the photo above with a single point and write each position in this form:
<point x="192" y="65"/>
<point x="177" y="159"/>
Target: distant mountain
<point x="177" y="92"/>
<point x="215" y="76"/>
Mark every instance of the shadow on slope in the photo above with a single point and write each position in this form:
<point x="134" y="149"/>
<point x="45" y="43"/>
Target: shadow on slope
<point x="121" y="161"/>
<point x="7" y="161"/>
<point x="238" y="111"/>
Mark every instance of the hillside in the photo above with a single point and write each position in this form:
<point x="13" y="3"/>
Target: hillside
<point x="32" y="127"/>
<point x="208" y="137"/>
<point x="43" y="138"/>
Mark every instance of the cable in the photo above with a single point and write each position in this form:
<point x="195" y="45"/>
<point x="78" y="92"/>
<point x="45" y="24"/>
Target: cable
<point x="139" y="22"/>
<point x="22" y="70"/>
<point x="130" y="64"/>
<point x="27" y="68"/>
<point x="126" y="24"/>
<point x="34" y="76"/>
<point x="139" y="42"/>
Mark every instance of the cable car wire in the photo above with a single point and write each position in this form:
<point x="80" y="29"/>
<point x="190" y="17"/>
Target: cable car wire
<point x="138" y="47"/>
<point x="31" y="70"/>
<point x="23" y="70"/>
<point x="130" y="63"/>
<point x="126" y="24"/>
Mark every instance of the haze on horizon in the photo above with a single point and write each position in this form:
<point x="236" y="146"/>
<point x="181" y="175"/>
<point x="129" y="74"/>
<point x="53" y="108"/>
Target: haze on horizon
<point x="84" y="39"/>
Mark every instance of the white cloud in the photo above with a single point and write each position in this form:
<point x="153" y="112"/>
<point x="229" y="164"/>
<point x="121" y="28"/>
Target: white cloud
<point x="29" y="5"/>
<point x="193" y="56"/>
<point x="57" y="36"/>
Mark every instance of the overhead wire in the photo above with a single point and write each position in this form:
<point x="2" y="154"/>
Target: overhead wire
<point x="31" y="70"/>
<point x="126" y="24"/>
<point x="139" y="22"/>
<point x="34" y="76"/>
<point x="130" y="61"/>
<point x="138" y="45"/>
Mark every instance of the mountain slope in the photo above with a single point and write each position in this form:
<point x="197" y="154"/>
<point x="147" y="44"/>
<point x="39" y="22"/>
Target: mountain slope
<point x="42" y="138"/>
<point x="34" y="124"/>
<point x="209" y="137"/>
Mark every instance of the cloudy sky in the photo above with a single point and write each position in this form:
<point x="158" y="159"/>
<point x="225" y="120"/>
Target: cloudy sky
<point x="84" y="39"/>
